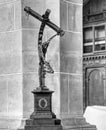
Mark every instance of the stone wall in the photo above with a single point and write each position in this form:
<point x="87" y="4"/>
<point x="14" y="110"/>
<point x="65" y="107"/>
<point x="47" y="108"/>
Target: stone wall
<point x="71" y="58"/>
<point x="10" y="64"/>
<point x="71" y="78"/>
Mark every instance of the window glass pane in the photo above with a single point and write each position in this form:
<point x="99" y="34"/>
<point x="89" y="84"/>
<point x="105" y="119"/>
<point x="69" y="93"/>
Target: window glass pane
<point x="88" y="34"/>
<point x="88" y="38"/>
<point x="99" y="38"/>
<point x="99" y="32"/>
<point x="87" y="49"/>
<point x="99" y="47"/>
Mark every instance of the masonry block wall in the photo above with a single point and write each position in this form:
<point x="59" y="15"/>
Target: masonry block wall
<point x="71" y="58"/>
<point x="10" y="64"/>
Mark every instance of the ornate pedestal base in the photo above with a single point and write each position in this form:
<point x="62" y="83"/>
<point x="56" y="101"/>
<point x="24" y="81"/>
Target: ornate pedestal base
<point x="43" y="118"/>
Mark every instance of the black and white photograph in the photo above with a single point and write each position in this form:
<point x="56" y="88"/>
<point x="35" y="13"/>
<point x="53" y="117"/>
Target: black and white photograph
<point x="52" y="64"/>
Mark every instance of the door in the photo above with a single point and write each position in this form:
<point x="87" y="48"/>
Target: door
<point x="94" y="87"/>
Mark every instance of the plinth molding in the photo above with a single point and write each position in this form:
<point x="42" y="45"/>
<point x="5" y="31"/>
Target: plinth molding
<point x="77" y="123"/>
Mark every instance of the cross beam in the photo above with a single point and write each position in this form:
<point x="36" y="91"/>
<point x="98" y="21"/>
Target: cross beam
<point x="48" y="22"/>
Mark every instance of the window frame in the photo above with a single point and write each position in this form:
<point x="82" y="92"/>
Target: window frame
<point x="93" y="26"/>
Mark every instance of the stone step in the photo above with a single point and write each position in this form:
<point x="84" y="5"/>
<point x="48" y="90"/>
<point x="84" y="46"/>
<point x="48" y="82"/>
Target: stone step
<point x="84" y="127"/>
<point x="49" y="127"/>
<point x="43" y="122"/>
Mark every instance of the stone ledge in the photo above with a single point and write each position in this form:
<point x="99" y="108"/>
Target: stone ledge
<point x="77" y="124"/>
<point x="49" y="127"/>
<point x="10" y="124"/>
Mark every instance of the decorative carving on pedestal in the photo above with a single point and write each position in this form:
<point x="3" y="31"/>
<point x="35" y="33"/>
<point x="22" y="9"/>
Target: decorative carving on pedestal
<point x="43" y="118"/>
<point x="42" y="105"/>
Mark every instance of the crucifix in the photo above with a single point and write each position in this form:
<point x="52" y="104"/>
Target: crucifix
<point x="44" y="66"/>
<point x="43" y="117"/>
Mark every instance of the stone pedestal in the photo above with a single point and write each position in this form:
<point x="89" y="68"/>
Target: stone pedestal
<point x="43" y="118"/>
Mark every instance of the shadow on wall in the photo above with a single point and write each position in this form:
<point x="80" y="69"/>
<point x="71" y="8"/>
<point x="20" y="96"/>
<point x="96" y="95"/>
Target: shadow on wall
<point x="96" y="115"/>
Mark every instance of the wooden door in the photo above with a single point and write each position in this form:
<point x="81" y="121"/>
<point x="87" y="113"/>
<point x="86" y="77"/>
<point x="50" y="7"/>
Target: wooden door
<point x="95" y="88"/>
